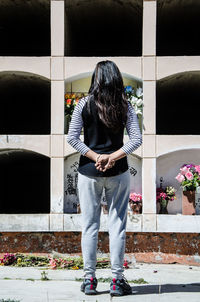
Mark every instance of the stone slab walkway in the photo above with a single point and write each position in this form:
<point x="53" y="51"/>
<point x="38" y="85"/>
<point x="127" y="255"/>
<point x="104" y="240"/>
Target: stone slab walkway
<point x="166" y="282"/>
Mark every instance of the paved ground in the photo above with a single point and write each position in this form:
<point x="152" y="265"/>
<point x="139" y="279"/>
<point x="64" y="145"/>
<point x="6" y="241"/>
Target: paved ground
<point x="166" y="282"/>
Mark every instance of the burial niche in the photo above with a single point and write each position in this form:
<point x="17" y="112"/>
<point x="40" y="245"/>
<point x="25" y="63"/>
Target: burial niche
<point x="71" y="200"/>
<point x="178" y="28"/>
<point x="25" y="182"/>
<point x="168" y="166"/>
<point x="25" y="28"/>
<point x="25" y="103"/>
<point x="103" y="27"/>
<point x="177" y="104"/>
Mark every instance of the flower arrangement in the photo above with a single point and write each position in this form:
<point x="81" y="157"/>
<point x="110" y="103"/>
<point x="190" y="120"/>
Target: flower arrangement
<point x="163" y="196"/>
<point x="71" y="100"/>
<point x="168" y="194"/>
<point x="23" y="260"/>
<point x="189" y="177"/>
<point x="135" y="98"/>
<point x="135" y="202"/>
<point x="8" y="259"/>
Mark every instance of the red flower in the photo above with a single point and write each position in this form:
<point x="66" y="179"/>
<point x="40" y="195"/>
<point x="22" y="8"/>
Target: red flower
<point x="68" y="101"/>
<point x="125" y="264"/>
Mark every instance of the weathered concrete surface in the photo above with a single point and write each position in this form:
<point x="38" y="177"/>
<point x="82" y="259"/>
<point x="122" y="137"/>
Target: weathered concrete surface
<point x="171" y="281"/>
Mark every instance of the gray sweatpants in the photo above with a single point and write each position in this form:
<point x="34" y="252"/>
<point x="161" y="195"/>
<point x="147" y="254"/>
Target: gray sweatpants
<point x="117" y="190"/>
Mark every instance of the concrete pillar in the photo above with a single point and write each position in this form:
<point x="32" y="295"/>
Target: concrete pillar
<point x="149" y="109"/>
<point x="57" y="184"/>
<point x="149" y="28"/>
<point x="57" y="28"/>
<point x="149" y="185"/>
<point x="57" y="107"/>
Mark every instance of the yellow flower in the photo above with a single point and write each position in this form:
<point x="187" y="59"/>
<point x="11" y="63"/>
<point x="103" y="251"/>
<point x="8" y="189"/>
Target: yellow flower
<point x="67" y="95"/>
<point x="19" y="260"/>
<point x="75" y="267"/>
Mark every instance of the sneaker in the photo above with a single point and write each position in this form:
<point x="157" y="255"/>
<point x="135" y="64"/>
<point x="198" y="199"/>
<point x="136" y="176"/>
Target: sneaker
<point x="89" y="286"/>
<point x="120" y="287"/>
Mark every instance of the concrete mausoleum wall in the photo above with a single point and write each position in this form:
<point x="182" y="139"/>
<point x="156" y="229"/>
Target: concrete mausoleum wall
<point x="33" y="82"/>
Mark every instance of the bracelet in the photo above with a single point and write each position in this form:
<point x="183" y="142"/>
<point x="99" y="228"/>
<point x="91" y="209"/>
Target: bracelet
<point x="98" y="157"/>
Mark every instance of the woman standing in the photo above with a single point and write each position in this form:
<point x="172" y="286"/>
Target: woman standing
<point x="104" y="114"/>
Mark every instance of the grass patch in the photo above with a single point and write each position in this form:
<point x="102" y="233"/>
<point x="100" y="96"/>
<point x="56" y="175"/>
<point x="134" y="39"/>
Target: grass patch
<point x="9" y="300"/>
<point x="139" y="281"/>
<point x="44" y="276"/>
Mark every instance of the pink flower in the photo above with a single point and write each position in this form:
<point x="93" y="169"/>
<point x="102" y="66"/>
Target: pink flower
<point x="184" y="170"/>
<point x="180" y="177"/>
<point x="189" y="175"/>
<point x="163" y="195"/>
<point x="52" y="263"/>
<point x="197" y="168"/>
<point x="135" y="197"/>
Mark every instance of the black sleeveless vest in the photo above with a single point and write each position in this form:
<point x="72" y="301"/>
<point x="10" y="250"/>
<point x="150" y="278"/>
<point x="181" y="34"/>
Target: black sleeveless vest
<point x="102" y="140"/>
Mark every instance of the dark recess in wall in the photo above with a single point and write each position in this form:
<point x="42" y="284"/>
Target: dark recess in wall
<point x="25" y="182"/>
<point x="103" y="27"/>
<point x="178" y="28"/>
<point x="25" y="28"/>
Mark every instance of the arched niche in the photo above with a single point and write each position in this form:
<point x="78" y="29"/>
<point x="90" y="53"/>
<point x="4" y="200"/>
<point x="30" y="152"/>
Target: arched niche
<point x="71" y="178"/>
<point x="25" y="103"/>
<point x="178" y="28"/>
<point x="25" y="182"/>
<point x="80" y="84"/>
<point x="168" y="166"/>
<point x="177" y="104"/>
<point x="25" y="28"/>
<point x="103" y="28"/>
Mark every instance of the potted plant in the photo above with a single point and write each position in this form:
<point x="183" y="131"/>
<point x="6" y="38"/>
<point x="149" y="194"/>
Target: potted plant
<point x="135" y="203"/>
<point x="163" y="196"/>
<point x="189" y="179"/>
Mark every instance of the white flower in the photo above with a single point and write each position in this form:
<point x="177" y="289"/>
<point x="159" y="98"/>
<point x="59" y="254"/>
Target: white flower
<point x="133" y="100"/>
<point x="138" y="111"/>
<point x="139" y="92"/>
<point x="139" y="102"/>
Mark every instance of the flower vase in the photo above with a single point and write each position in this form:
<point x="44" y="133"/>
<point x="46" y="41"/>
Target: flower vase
<point x="197" y="201"/>
<point x="67" y="122"/>
<point x="163" y="206"/>
<point x="136" y="207"/>
<point x="188" y="202"/>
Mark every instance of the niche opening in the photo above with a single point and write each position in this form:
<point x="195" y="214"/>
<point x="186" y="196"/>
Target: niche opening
<point x="25" y="106"/>
<point x="177" y="104"/>
<point x="25" y="182"/>
<point x="103" y="28"/>
<point x="178" y="28"/>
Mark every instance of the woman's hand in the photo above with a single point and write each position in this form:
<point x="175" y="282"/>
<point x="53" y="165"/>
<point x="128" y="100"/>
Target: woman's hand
<point x="104" y="162"/>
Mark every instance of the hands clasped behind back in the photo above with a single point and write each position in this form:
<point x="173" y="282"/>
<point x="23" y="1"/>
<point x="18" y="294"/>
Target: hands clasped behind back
<point x="104" y="162"/>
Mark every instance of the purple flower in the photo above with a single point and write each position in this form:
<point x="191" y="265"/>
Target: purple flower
<point x="188" y="165"/>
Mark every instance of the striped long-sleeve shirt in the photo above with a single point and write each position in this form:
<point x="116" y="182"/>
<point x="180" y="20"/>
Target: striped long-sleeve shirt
<point x="76" y="125"/>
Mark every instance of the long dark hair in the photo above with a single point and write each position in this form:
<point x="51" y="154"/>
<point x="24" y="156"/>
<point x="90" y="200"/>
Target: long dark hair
<point x="108" y="91"/>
